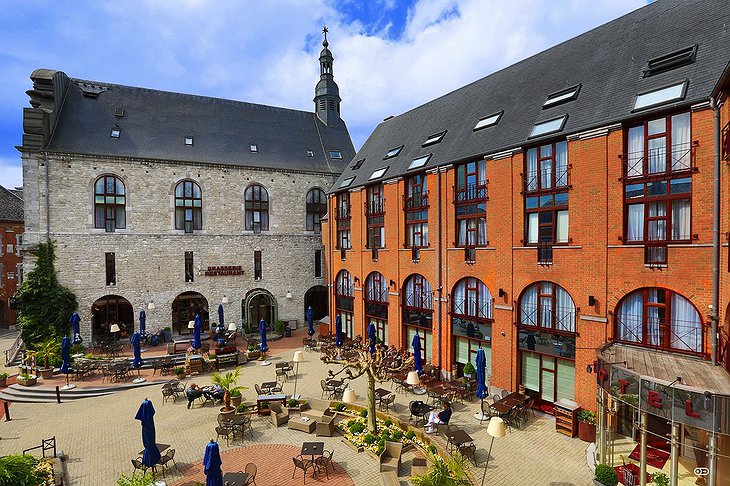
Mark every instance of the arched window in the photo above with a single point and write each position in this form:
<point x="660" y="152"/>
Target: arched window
<point x="471" y="322"/>
<point x="417" y="302"/>
<point x="257" y="208"/>
<point x="343" y="284"/>
<point x="376" y="289"/>
<point x="345" y="302"/>
<point x="109" y="203"/>
<point x="376" y="304"/>
<point x="316" y="209"/>
<point x="659" y="318"/>
<point x="471" y="298"/>
<point x="188" y="206"/>
<point x="547" y="306"/>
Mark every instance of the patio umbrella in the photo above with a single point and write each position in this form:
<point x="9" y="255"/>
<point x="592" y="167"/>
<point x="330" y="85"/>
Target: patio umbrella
<point x="417" y="354"/>
<point x="196" y="332"/>
<point x="212" y="465"/>
<point x="338" y="331"/>
<point x="74" y="320"/>
<point x="145" y="414"/>
<point x="310" y="331"/>
<point x="481" y="361"/>
<point x="136" y="340"/>
<point x="371" y="337"/>
<point x="262" y="331"/>
<point x="142" y="322"/>
<point x="66" y="360"/>
<point x="221" y="326"/>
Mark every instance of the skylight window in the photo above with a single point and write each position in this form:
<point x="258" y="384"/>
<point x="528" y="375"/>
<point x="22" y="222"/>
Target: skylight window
<point x="488" y="121"/>
<point x="253" y="147"/>
<point x="310" y="153"/>
<point x="189" y="141"/>
<point x="419" y="162"/>
<point x="393" y="152"/>
<point x="115" y="132"/>
<point x="670" y="61"/>
<point x="378" y="173"/>
<point x="346" y="182"/>
<point x="550" y="126"/>
<point x="335" y="154"/>
<point x="435" y="138"/>
<point x="660" y="96"/>
<point x="561" y="97"/>
<point x="357" y="164"/>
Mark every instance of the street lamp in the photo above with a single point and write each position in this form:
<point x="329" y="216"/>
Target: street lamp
<point x="497" y="430"/>
<point x="298" y="358"/>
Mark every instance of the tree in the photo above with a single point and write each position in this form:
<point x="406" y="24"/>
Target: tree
<point x="45" y="305"/>
<point x="443" y="473"/>
<point x="378" y="367"/>
<point x="227" y="383"/>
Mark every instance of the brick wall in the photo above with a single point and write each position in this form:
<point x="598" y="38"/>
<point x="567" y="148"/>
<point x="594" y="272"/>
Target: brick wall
<point x="9" y="269"/>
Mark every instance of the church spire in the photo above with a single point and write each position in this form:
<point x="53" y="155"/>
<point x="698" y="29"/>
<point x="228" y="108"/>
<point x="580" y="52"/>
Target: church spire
<point x="327" y="93"/>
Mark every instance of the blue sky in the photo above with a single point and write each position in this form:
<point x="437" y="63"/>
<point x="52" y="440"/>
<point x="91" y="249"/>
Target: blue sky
<point x="390" y="55"/>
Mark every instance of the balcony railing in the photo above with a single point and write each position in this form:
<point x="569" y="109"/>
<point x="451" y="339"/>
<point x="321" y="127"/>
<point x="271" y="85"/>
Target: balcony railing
<point x="547" y="179"/>
<point x="660" y="161"/>
<point x="470" y="192"/>
<point x="343" y="254"/>
<point x="375" y="206"/>
<point x="415" y="201"/>
<point x="544" y="253"/>
<point x="342" y="212"/>
<point x="416" y="255"/>
<point x="375" y="254"/>
<point x="562" y="319"/>
<point x="654" y="332"/>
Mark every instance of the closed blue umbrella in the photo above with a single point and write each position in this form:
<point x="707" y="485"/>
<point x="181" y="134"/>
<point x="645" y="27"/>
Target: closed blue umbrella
<point x="66" y="355"/>
<point x="212" y="465"/>
<point x="481" y="361"/>
<point x="262" y="331"/>
<point x="146" y="414"/>
<point x="136" y="340"/>
<point x="221" y="325"/>
<point x="142" y="322"/>
<point x="74" y="320"/>
<point x="417" y="354"/>
<point x="196" y="332"/>
<point x="371" y="337"/>
<point x="310" y="331"/>
<point x="338" y="331"/>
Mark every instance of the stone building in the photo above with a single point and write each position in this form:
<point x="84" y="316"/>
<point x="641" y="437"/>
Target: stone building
<point x="11" y="267"/>
<point x="174" y="203"/>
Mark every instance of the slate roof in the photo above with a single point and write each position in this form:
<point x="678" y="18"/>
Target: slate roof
<point x="11" y="206"/>
<point x="608" y="62"/>
<point x="155" y="123"/>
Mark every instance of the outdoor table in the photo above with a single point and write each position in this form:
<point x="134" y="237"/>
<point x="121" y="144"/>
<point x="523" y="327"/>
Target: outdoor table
<point x="509" y="402"/>
<point x="381" y="393"/>
<point x="235" y="478"/>
<point x="312" y="449"/>
<point x="160" y="447"/>
<point x="268" y="385"/>
<point x="458" y="437"/>
<point x="421" y="410"/>
<point x="335" y="383"/>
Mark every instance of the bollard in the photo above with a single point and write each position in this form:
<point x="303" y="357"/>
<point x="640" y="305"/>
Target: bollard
<point x="7" y="412"/>
<point x="58" y="394"/>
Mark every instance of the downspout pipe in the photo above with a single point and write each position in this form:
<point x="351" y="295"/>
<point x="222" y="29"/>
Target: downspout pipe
<point x="48" y="200"/>
<point x="715" y="230"/>
<point x="440" y="289"/>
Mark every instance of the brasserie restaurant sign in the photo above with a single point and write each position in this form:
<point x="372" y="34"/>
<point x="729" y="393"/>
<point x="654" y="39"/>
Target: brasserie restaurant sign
<point x="224" y="270"/>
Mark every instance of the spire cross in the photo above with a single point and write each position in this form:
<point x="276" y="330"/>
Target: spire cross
<point x="324" y="31"/>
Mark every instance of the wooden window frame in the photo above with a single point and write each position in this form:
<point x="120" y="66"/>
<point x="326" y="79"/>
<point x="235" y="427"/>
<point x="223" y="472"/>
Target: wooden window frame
<point x="415" y="207"/>
<point x="316" y="209"/>
<point x="109" y="210"/>
<point x="375" y="216"/>
<point x="256" y="200"/>
<point x="185" y="204"/>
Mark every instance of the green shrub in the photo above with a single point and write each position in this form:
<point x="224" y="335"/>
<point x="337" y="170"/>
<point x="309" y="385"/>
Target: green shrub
<point x="167" y="328"/>
<point x="17" y="470"/>
<point x="241" y="408"/>
<point x="279" y="327"/>
<point x="235" y="392"/>
<point x="3" y="376"/>
<point x="350" y="422"/>
<point x="144" y="479"/>
<point x="397" y="435"/>
<point x="292" y="402"/>
<point x="385" y="435"/>
<point x="606" y="475"/>
<point x="469" y="368"/>
<point x="357" y="428"/>
<point x="432" y="449"/>
<point x="388" y="422"/>
<point x="410" y="435"/>
<point x="369" y="439"/>
<point x="340" y="407"/>
<point x="179" y="370"/>
<point x="660" y="479"/>
<point x="55" y="361"/>
<point x="364" y="413"/>
<point x="586" y="416"/>
<point x="380" y="449"/>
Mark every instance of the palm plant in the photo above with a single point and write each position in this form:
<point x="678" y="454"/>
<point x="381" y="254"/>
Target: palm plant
<point x="46" y="350"/>
<point x="443" y="473"/>
<point x="228" y="382"/>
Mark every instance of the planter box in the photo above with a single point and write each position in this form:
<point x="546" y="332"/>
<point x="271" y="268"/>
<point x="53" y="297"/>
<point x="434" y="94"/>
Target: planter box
<point x="586" y="432"/>
<point x="236" y="401"/>
<point x="254" y="355"/>
<point x="27" y="382"/>
<point x="352" y="446"/>
<point x="3" y="381"/>
<point x="46" y="373"/>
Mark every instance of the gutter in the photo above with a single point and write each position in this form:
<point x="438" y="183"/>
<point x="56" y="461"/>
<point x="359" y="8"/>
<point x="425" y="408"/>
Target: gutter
<point x="715" y="229"/>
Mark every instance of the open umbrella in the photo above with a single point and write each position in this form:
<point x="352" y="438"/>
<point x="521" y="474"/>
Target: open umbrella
<point x="417" y="354"/>
<point x="196" y="332"/>
<point x="66" y="360"/>
<point x="74" y="320"/>
<point x="221" y="325"/>
<point x="262" y="331"/>
<point x="146" y="414"/>
<point x="481" y="361"/>
<point x="310" y="331"/>
<point x="338" y="331"/>
<point x="142" y="322"/>
<point x="371" y="337"/>
<point x="212" y="465"/>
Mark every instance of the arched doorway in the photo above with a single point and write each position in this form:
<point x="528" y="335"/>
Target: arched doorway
<point x="184" y="308"/>
<point x="108" y="310"/>
<point x="259" y="304"/>
<point x="316" y="297"/>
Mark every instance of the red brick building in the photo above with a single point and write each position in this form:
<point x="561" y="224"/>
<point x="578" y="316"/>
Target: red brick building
<point x="11" y="231"/>
<point x="557" y="213"/>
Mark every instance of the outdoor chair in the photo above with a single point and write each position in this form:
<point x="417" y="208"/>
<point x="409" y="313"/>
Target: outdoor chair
<point x="281" y="374"/>
<point x="165" y="459"/>
<point x="487" y="412"/>
<point x="277" y="389"/>
<point x="303" y="464"/>
<point x="469" y="452"/>
<point x="328" y="389"/>
<point x="325" y="426"/>
<point x="497" y="397"/>
<point x="168" y="392"/>
<point x="222" y="431"/>
<point x="505" y="393"/>
<point x="245" y="424"/>
<point x="251" y="470"/>
<point x="325" y="461"/>
<point x="528" y="407"/>
<point x="388" y="402"/>
<point x="510" y="419"/>
<point x="138" y="466"/>
<point x="278" y="416"/>
<point x="390" y="457"/>
<point x="259" y="391"/>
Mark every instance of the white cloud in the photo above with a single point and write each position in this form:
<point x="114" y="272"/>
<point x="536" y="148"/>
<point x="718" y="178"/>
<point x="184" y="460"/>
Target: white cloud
<point x="11" y="173"/>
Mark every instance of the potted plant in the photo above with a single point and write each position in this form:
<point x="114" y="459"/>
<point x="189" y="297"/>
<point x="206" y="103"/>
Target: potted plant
<point x="242" y="408"/>
<point x="180" y="372"/>
<point x="45" y="351"/>
<point x="167" y="332"/>
<point x="279" y="328"/>
<point x="586" y="425"/>
<point x="253" y="351"/>
<point x="294" y="404"/>
<point x="236" y="397"/>
<point x="3" y="378"/>
<point x="227" y="382"/>
<point x="605" y="475"/>
<point x="449" y="471"/>
<point x="660" y="479"/>
<point x="26" y="379"/>
<point x="468" y="369"/>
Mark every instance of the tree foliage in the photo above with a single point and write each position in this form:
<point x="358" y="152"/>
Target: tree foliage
<point x="45" y="305"/>
<point x="443" y="473"/>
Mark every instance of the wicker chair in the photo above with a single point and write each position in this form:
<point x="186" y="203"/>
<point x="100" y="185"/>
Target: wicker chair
<point x="166" y="458"/>
<point x="469" y="452"/>
<point x="222" y="431"/>
<point x="325" y="461"/>
<point x="278" y="416"/>
<point x="388" y="402"/>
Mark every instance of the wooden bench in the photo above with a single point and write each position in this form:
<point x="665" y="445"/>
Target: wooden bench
<point x="179" y="345"/>
<point x="389" y="478"/>
<point x="223" y="360"/>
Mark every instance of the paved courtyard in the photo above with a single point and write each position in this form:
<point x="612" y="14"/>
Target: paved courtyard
<point x="100" y="436"/>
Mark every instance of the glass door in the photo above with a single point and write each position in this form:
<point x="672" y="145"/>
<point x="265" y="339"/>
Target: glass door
<point x="547" y="379"/>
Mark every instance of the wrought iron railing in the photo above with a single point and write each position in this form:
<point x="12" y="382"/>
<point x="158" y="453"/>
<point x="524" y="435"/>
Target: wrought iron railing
<point x="548" y="178"/>
<point x="12" y="353"/>
<point x="655" y="253"/>
<point x="470" y="192"/>
<point x="661" y="160"/>
<point x="561" y="319"/>
<point x="415" y="201"/>
<point x="544" y="253"/>
<point x="421" y="300"/>
<point x="473" y="308"/>
<point x="657" y="333"/>
<point x="375" y="206"/>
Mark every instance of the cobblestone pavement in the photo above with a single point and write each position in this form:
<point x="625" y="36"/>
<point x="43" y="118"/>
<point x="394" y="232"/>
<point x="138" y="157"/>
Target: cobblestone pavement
<point x="100" y="435"/>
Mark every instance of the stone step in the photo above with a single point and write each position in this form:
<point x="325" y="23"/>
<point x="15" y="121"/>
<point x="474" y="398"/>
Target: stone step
<point x="33" y="394"/>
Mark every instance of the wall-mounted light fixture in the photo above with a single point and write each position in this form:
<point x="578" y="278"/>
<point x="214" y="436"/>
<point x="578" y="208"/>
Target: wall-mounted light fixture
<point x="224" y="300"/>
<point x="589" y="368"/>
<point x="392" y="283"/>
<point x="591" y="301"/>
<point x="288" y="294"/>
<point x="502" y="293"/>
<point x="151" y="306"/>
<point x="356" y="280"/>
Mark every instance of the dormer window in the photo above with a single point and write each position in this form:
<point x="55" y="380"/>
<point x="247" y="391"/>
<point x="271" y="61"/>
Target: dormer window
<point x="335" y="154"/>
<point x="670" y="61"/>
<point x="253" y="147"/>
<point x="561" y="97"/>
<point x="393" y="152"/>
<point x="378" y="173"/>
<point x="660" y="96"/>
<point x="346" y="182"/>
<point x="435" y="138"/>
<point x="189" y="141"/>
<point x="115" y="132"/>
<point x="488" y="121"/>
<point x="550" y="126"/>
<point x="419" y="162"/>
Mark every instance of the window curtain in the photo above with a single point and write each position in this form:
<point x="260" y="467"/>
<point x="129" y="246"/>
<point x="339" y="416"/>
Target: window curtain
<point x="686" y="326"/>
<point x="424" y="234"/>
<point x="561" y="164"/>
<point x="565" y="379"/>
<point x="531" y="169"/>
<point x="528" y="306"/>
<point x="565" y="309"/>
<point x="411" y="297"/>
<point x="635" y="230"/>
<point x="657" y="229"/>
<point x="546" y="174"/>
<point x="681" y="210"/>
<point x="561" y="234"/>
<point x="531" y="371"/>
<point x="462" y="232"/>
<point x="532" y="227"/>
<point x="652" y="319"/>
<point x="460" y="298"/>
<point x="485" y="302"/>
<point x="681" y="142"/>
<point x="635" y="159"/>
<point x="629" y="318"/>
<point x="481" y="173"/>
<point x="481" y="231"/>
<point x="657" y="155"/>
<point x="546" y="305"/>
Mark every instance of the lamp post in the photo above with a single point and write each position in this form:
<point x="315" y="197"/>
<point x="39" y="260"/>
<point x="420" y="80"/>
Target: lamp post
<point x="497" y="430"/>
<point x="298" y="358"/>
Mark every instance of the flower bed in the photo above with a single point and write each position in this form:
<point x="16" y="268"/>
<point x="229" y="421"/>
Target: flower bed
<point x="43" y="472"/>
